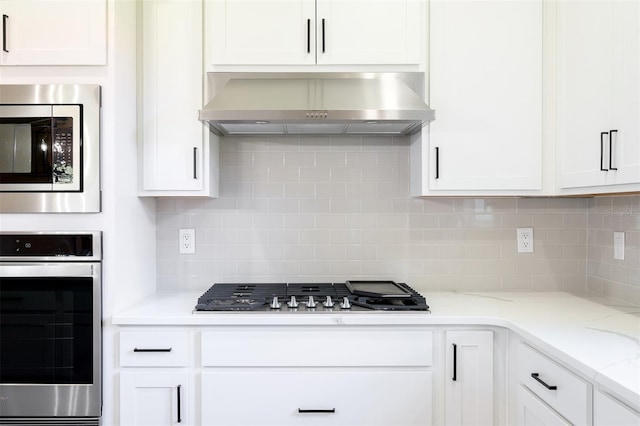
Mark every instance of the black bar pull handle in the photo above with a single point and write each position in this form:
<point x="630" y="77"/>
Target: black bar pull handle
<point x="323" y="43"/>
<point x="437" y="162"/>
<point x="5" y="18"/>
<point x="195" y="162"/>
<point x="179" y="388"/>
<point x="308" y="35"/>
<point x="455" y="363"/>
<point x="611" y="132"/>
<point x="326" y="411"/>
<point x="602" y="151"/>
<point x="537" y="378"/>
<point x="152" y="349"/>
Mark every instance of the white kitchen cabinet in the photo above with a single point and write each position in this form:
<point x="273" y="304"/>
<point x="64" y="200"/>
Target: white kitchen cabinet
<point x="178" y="155"/>
<point x="155" y="385"/>
<point x="317" y="396"/>
<point x="598" y="96"/>
<point x="609" y="411"/>
<point x="531" y="411"/>
<point x="307" y="32"/>
<point x="568" y="395"/>
<point x="486" y="85"/>
<point x="153" y="398"/>
<point x="351" y="376"/>
<point x="54" y="32"/>
<point x="469" y="378"/>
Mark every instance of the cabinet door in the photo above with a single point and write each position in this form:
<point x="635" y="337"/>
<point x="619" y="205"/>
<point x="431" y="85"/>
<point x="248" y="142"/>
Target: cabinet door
<point x="372" y="32"/>
<point x="598" y="84"/>
<point x="153" y="398"/>
<point x="486" y="87"/>
<point x="469" y="382"/>
<point x="320" y="396"/>
<point x="258" y="32"/>
<point x="533" y="412"/>
<point x="608" y="411"/>
<point x="54" y="32"/>
<point x="626" y="91"/>
<point x="173" y="154"/>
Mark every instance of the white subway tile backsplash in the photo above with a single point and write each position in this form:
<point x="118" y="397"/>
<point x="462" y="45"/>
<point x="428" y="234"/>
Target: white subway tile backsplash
<point x="320" y="208"/>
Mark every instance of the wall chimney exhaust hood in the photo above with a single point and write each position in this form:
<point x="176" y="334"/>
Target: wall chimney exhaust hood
<point x="315" y="103"/>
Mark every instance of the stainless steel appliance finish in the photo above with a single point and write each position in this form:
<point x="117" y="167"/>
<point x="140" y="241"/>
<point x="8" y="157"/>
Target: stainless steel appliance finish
<point x="50" y="148"/>
<point x="315" y="103"/>
<point x="50" y="328"/>
<point x="310" y="298"/>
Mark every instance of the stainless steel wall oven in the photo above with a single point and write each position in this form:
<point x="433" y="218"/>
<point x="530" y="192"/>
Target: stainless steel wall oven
<point x="49" y="148"/>
<point x="50" y="328"/>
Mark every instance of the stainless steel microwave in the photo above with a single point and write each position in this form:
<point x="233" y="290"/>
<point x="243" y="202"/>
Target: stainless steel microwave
<point x="50" y="148"/>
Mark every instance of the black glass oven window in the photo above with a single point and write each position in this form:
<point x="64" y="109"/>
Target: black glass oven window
<point x="46" y="333"/>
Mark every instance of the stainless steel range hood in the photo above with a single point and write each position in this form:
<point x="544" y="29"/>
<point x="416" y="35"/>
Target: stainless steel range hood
<point x="315" y="103"/>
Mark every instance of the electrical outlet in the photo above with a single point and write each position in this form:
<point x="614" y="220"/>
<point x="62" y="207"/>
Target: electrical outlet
<point x="618" y="245"/>
<point x="187" y="241"/>
<point x="525" y="240"/>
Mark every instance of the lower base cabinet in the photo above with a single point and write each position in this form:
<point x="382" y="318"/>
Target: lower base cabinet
<point x="469" y="378"/>
<point x="316" y="396"/>
<point x="154" y="398"/>
<point x="531" y="411"/>
<point x="608" y="411"/>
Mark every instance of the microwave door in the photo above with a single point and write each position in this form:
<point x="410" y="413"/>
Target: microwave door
<point x="66" y="148"/>
<point x="25" y="139"/>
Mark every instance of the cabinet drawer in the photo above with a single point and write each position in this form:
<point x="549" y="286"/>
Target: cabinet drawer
<point x="316" y="396"/>
<point x="154" y="348"/>
<point x="274" y="347"/>
<point x="562" y="390"/>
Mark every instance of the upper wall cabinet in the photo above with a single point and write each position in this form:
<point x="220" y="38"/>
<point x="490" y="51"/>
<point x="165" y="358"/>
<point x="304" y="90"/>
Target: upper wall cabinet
<point x="486" y="85"/>
<point x="598" y="103"/>
<point x="54" y="32"/>
<point x="176" y="156"/>
<point x="308" y="32"/>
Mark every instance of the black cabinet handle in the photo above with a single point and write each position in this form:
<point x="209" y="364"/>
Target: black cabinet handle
<point x="152" y="349"/>
<point x="437" y="162"/>
<point x="5" y="18"/>
<point x="602" y="151"/>
<point x="455" y="363"/>
<point x="308" y="35"/>
<point x="537" y="378"/>
<point x="323" y="35"/>
<point x="611" y="132"/>
<point x="195" y="162"/>
<point x="179" y="408"/>
<point x="327" y="411"/>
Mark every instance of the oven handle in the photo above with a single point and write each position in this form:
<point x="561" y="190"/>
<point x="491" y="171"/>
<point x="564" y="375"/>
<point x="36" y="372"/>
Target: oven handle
<point x="29" y="269"/>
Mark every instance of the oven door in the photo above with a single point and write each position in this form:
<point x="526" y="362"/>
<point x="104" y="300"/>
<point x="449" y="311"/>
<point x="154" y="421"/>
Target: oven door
<point x="40" y="148"/>
<point x="50" y="340"/>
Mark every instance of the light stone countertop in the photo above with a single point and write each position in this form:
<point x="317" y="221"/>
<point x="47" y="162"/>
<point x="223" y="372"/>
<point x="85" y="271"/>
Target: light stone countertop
<point x="599" y="340"/>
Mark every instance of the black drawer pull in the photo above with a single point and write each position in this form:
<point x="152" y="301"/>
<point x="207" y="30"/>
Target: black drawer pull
<point x="455" y="363"/>
<point x="602" y="151"/>
<point x="326" y="411"/>
<point x="5" y="18"/>
<point x="537" y="378"/>
<point x="152" y="349"/>
<point x="178" y="398"/>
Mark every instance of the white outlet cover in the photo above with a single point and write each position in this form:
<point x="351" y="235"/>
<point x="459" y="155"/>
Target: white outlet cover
<point x="618" y="245"/>
<point x="525" y="240"/>
<point x="187" y="241"/>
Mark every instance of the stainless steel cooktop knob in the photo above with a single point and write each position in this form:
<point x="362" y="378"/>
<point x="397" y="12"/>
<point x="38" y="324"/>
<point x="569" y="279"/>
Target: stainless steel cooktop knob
<point x="293" y="303"/>
<point x="345" y="303"/>
<point x="275" y="304"/>
<point x="311" y="303"/>
<point x="328" y="303"/>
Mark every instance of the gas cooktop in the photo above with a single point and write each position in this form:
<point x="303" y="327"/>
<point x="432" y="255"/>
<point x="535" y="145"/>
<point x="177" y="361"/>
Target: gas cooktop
<point x="311" y="297"/>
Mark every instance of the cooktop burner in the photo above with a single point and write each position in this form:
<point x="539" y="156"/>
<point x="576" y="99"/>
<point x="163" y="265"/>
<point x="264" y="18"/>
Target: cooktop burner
<point x="312" y="297"/>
